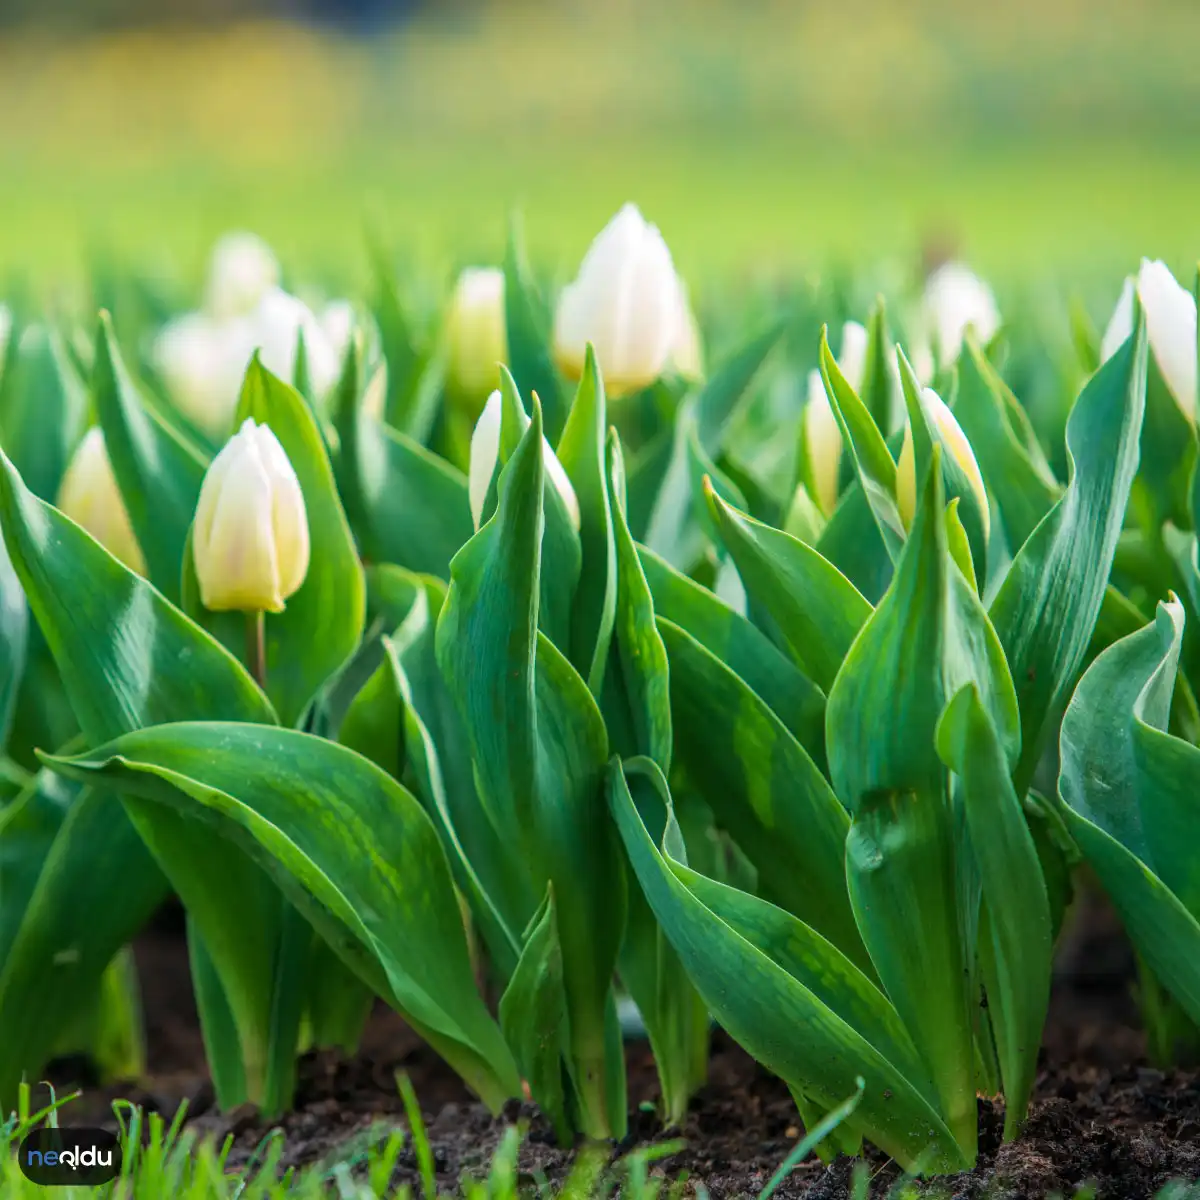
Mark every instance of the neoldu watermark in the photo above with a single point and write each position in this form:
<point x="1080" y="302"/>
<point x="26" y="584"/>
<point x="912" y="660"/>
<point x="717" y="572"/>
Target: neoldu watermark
<point x="58" y="1157"/>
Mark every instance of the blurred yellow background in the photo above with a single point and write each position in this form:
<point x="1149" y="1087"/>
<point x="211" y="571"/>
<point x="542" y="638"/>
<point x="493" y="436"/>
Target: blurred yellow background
<point x="1035" y="135"/>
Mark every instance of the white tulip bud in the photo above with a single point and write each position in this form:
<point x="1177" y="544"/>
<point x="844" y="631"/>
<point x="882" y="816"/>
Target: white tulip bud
<point x="625" y="301"/>
<point x="956" y="300"/>
<point x="476" y="332"/>
<point x="822" y="435"/>
<point x="1170" y="328"/>
<point x="485" y="451"/>
<point x="242" y="269"/>
<point x="202" y="362"/>
<point x="955" y="442"/>
<point x="338" y="320"/>
<point x="89" y="495"/>
<point x="276" y="323"/>
<point x="250" y="536"/>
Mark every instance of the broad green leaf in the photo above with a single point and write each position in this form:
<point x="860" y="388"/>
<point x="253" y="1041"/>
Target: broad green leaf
<point x="581" y="450"/>
<point x="747" y="651"/>
<point x="533" y="1016"/>
<point x="1020" y="943"/>
<point x="862" y="438"/>
<point x="539" y="746"/>
<point x="720" y="399"/>
<point x="14" y="641"/>
<point x="1047" y="607"/>
<point x="669" y="530"/>
<point x="927" y="638"/>
<point x="765" y="789"/>
<point x="790" y="1003"/>
<point x="119" y="645"/>
<point x="640" y="669"/>
<point x="332" y="599"/>
<point x="352" y="849"/>
<point x="851" y="541"/>
<point x="1128" y="789"/>
<point x="45" y="411"/>
<point x="1023" y="487"/>
<point x="159" y="473"/>
<point x="407" y="505"/>
<point x="529" y="337"/>
<point x="398" y="341"/>
<point x="816" y="612"/>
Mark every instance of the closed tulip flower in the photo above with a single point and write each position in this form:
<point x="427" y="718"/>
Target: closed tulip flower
<point x="956" y="444"/>
<point x="241" y="270"/>
<point x="250" y="536"/>
<point x="1170" y="328"/>
<point x="955" y="300"/>
<point x="822" y="436"/>
<point x="485" y="450"/>
<point x="476" y="335"/>
<point x="90" y="497"/>
<point x="626" y="302"/>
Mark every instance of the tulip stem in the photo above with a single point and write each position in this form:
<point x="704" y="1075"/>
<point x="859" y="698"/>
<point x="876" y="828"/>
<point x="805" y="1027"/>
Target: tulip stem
<point x="256" y="646"/>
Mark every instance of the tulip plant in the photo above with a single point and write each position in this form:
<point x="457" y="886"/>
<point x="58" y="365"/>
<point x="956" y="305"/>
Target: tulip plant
<point x="512" y="670"/>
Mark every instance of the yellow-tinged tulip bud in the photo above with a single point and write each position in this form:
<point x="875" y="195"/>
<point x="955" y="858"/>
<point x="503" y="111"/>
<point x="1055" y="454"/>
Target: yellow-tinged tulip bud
<point x="626" y="302"/>
<point x="956" y="444"/>
<point x="250" y="535"/>
<point x="1170" y="329"/>
<point x="90" y="497"/>
<point x="476" y="334"/>
<point x="822" y="435"/>
<point x="485" y="450"/>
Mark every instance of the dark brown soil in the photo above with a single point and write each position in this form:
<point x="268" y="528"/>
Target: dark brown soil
<point x="1101" y="1116"/>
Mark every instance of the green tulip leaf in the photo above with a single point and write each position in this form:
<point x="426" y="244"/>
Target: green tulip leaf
<point x="158" y="472"/>
<point x="45" y="410"/>
<point x="581" y="450"/>
<point x="1023" y="485"/>
<point x="533" y="1017"/>
<point x="927" y="638"/>
<point x="815" y="612"/>
<point x="14" y="641"/>
<point x="351" y="848"/>
<point x="764" y="789"/>
<point x="527" y="323"/>
<point x="746" y="650"/>
<point x="1049" y="602"/>
<point x="407" y="505"/>
<point x="794" y="1002"/>
<point x="1020" y="944"/>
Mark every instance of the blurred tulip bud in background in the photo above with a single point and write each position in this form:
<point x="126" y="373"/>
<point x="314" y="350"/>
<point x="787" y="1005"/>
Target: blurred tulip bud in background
<point x="202" y="356"/>
<point x="687" y="355"/>
<point x="1170" y="328"/>
<point x="822" y="437"/>
<point x="955" y="441"/>
<point x="485" y="450"/>
<point x="90" y="497"/>
<point x="250" y="535"/>
<point x="476" y="336"/>
<point x="626" y="301"/>
<point x="338" y="320"/>
<point x="241" y="270"/>
<point x="955" y="300"/>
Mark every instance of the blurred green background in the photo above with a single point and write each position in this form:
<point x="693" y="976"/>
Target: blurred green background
<point x="1036" y="137"/>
